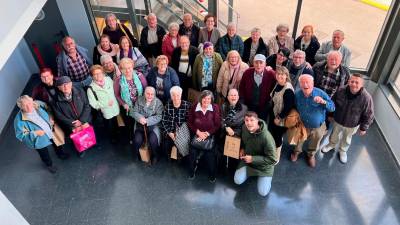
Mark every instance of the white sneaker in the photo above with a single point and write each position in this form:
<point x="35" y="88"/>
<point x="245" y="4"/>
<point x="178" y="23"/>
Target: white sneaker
<point x="343" y="157"/>
<point x="327" y="148"/>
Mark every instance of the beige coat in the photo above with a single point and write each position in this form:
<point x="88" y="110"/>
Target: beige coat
<point x="224" y="77"/>
<point x="274" y="47"/>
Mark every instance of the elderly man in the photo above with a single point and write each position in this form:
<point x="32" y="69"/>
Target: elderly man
<point x="354" y="112"/>
<point x="330" y="74"/>
<point x="71" y="107"/>
<point x="74" y="62"/>
<point x="46" y="91"/>
<point x="230" y="41"/>
<point x="189" y="29"/>
<point x="110" y="68"/>
<point x="151" y="39"/>
<point x="256" y="85"/>
<point x="297" y="67"/>
<point x="312" y="104"/>
<point x="257" y="155"/>
<point x="334" y="45"/>
<point x="254" y="45"/>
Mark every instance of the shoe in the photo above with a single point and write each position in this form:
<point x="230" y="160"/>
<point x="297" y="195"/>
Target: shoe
<point x="311" y="161"/>
<point x="81" y="154"/>
<point x="212" y="179"/>
<point x="192" y="175"/>
<point x="294" y="156"/>
<point x="343" y="157"/>
<point x="327" y="148"/>
<point x="52" y="169"/>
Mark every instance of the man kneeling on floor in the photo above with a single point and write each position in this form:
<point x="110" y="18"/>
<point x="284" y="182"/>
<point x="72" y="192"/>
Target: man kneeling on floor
<point x="258" y="155"/>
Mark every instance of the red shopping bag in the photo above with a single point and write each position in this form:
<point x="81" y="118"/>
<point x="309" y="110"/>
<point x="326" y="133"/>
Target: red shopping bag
<point x="83" y="138"/>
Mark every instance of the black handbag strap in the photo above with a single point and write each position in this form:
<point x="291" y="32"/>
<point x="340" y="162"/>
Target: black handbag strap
<point x="94" y="93"/>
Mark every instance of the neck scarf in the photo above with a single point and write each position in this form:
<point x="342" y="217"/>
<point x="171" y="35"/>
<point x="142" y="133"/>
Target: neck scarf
<point x="112" y="52"/>
<point x="125" y="94"/>
<point x="207" y="71"/>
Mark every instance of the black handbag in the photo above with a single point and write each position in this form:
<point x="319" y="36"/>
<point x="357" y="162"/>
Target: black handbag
<point x="207" y="144"/>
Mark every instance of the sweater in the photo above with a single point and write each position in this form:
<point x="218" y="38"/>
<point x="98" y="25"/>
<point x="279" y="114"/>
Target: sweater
<point x="262" y="49"/>
<point x="247" y="86"/>
<point x="194" y="35"/>
<point x="104" y="95"/>
<point x="226" y="44"/>
<point x="311" y="113"/>
<point x="197" y="73"/>
<point x="151" y="50"/>
<point x="203" y="35"/>
<point x="170" y="79"/>
<point x="209" y="122"/>
<point x="224" y="82"/>
<point x="261" y="146"/>
<point x="326" y="47"/>
<point x="311" y="49"/>
<point x="353" y="109"/>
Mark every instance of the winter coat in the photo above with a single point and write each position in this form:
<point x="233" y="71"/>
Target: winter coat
<point x="99" y="97"/>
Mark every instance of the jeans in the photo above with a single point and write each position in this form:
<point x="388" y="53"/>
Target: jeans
<point x="84" y="83"/>
<point x="263" y="183"/>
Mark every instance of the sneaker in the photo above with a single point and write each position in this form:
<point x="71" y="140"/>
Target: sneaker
<point x="343" y="157"/>
<point x="212" y="179"/>
<point x="327" y="148"/>
<point x="52" y="169"/>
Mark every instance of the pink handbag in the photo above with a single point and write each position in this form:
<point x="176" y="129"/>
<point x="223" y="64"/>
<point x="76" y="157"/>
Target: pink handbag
<point x="83" y="138"/>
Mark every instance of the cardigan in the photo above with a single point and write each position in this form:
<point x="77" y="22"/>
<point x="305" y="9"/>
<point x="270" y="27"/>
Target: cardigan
<point x="197" y="73"/>
<point x="151" y="50"/>
<point x="174" y="117"/>
<point x="203" y="35"/>
<point x="311" y="49"/>
<point x="224" y="77"/>
<point x="261" y="146"/>
<point x="99" y="97"/>
<point x="262" y="49"/>
<point x="226" y="44"/>
<point x="176" y="57"/>
<point x="209" y="122"/>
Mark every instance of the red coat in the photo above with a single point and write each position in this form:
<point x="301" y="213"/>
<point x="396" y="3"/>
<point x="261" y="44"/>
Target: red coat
<point x="246" y="87"/>
<point x="167" y="46"/>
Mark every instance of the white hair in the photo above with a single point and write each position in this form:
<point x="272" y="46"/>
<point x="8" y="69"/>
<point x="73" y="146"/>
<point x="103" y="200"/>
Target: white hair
<point x="150" y="88"/>
<point x="172" y="25"/>
<point x="231" y="25"/>
<point x="176" y="89"/>
<point x="306" y="76"/>
<point x="299" y="52"/>
<point x="105" y="58"/>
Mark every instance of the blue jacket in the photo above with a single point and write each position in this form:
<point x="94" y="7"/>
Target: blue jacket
<point x="170" y="79"/>
<point x="311" y="113"/>
<point x="25" y="130"/>
<point x="62" y="60"/>
<point x="225" y="44"/>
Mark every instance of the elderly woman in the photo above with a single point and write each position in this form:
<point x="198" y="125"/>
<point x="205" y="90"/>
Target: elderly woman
<point x="174" y="116"/>
<point x="110" y="68"/>
<point x="128" y="51"/>
<point x="105" y="47"/>
<point x="162" y="78"/>
<point x="254" y="45"/>
<point x="279" y="59"/>
<point x="34" y="127"/>
<point x="308" y="43"/>
<point x="116" y="30"/>
<point x="147" y="114"/>
<point x="170" y="40"/>
<point x="209" y="33"/>
<point x="205" y="69"/>
<point x="230" y="41"/>
<point x="281" y="40"/>
<point x="127" y="88"/>
<point x="283" y="101"/>
<point x="101" y="97"/>
<point x="297" y="67"/>
<point x="230" y="74"/>
<point x="204" y="122"/>
<point x="182" y="62"/>
<point x="233" y="114"/>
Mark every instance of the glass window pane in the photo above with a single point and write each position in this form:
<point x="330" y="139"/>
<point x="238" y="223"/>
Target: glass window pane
<point x="397" y="81"/>
<point x="109" y="3"/>
<point x="360" y="22"/>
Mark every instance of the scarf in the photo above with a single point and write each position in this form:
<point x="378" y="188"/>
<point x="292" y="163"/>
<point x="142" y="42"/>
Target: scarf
<point x="125" y="94"/>
<point x="207" y="71"/>
<point x="100" y="83"/>
<point x="113" y="52"/>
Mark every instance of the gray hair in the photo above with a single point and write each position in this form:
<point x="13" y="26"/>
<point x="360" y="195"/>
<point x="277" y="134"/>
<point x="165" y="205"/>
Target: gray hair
<point x="172" y="25"/>
<point x="282" y="26"/>
<point x="306" y="76"/>
<point x="175" y="89"/>
<point x="109" y="15"/>
<point x="151" y="15"/>
<point x="231" y="25"/>
<point x="206" y="93"/>
<point x="22" y="99"/>
<point x="299" y="52"/>
<point x="65" y="39"/>
<point x="105" y="58"/>
<point x="334" y="53"/>
<point x="150" y="88"/>
<point x="187" y="14"/>
<point x="256" y="29"/>
<point x="338" y="31"/>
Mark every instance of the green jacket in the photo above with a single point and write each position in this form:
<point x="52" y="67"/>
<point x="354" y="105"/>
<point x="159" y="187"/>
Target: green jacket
<point x="104" y="95"/>
<point x="261" y="146"/>
<point x="198" y="70"/>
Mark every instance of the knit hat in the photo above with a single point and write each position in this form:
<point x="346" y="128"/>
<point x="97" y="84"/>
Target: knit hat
<point x="207" y="44"/>
<point x="284" y="51"/>
<point x="62" y="80"/>
<point x="259" y="57"/>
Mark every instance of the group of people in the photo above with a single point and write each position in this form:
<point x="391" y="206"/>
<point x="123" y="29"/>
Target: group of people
<point x="190" y="88"/>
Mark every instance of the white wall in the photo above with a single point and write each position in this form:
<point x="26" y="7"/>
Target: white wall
<point x="14" y="76"/>
<point x="77" y="23"/>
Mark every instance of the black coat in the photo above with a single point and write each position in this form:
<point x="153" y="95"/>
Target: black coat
<point x="115" y="35"/>
<point x="271" y="61"/>
<point x="97" y="55"/>
<point x="311" y="50"/>
<point x="153" y="49"/>
<point x="176" y="56"/>
<point x="78" y="109"/>
<point x="194" y="37"/>
<point x="262" y="49"/>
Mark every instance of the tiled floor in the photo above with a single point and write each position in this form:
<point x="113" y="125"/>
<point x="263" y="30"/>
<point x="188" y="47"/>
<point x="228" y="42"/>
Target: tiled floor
<point x="107" y="187"/>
